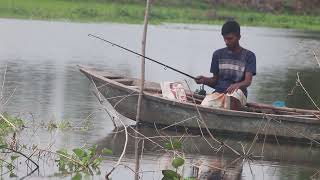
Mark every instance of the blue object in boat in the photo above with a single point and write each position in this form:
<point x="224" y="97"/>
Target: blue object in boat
<point x="279" y="104"/>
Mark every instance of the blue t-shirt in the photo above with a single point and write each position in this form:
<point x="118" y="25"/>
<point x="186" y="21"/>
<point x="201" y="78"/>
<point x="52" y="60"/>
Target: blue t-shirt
<point x="231" y="67"/>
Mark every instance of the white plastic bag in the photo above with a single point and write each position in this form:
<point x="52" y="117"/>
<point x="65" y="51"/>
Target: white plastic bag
<point x="173" y="90"/>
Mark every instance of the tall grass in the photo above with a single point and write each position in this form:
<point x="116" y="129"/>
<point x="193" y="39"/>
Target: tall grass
<point x="133" y="12"/>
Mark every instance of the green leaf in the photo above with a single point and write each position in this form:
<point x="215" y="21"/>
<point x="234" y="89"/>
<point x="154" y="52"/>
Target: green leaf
<point x="79" y="152"/>
<point x="12" y="175"/>
<point x="171" y="178"/>
<point x="177" y="162"/>
<point x="3" y="146"/>
<point x="92" y="150"/>
<point x="62" y="151"/>
<point x="97" y="162"/>
<point x="97" y="171"/>
<point x="14" y="158"/>
<point x="85" y="161"/>
<point x="168" y="146"/>
<point x="62" y="165"/>
<point x="169" y="174"/>
<point x="190" y="178"/>
<point x="174" y="144"/>
<point x="10" y="166"/>
<point x="78" y="176"/>
<point x="106" y="151"/>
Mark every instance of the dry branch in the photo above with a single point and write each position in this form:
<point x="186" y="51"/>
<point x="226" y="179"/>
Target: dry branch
<point x="123" y="151"/>
<point x="5" y="119"/>
<point x="307" y="93"/>
<point x="206" y="127"/>
<point x="315" y="56"/>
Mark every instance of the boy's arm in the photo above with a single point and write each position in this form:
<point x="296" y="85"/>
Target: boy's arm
<point x="243" y="84"/>
<point x="209" y="81"/>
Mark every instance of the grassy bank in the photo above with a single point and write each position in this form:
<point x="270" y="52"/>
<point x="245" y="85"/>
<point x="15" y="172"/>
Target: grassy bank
<point x="101" y="11"/>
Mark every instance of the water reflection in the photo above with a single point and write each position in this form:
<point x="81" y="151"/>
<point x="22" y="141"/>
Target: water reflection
<point x="275" y="160"/>
<point x="287" y="89"/>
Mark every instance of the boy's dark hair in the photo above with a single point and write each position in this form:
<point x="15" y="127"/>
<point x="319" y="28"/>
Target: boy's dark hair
<point x="230" y="27"/>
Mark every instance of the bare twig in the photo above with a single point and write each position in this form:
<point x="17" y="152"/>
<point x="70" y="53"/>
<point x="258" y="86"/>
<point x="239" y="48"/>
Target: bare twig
<point x="162" y="137"/>
<point x="3" y="82"/>
<point x="141" y="155"/>
<point x="5" y="119"/>
<point x="315" y="56"/>
<point x="256" y="136"/>
<point x="192" y="141"/>
<point x="65" y="156"/>
<point x="148" y="138"/>
<point x="28" y="158"/>
<point x="206" y="127"/>
<point x="124" y="97"/>
<point x="86" y="119"/>
<point x="314" y="176"/>
<point x="97" y="94"/>
<point x="318" y="117"/>
<point x="304" y="89"/>
<point x="123" y="151"/>
<point x="176" y="123"/>
<point x="296" y="132"/>
<point x="243" y="148"/>
<point x="143" y="52"/>
<point x="204" y="137"/>
<point x="275" y="137"/>
<point x="11" y="95"/>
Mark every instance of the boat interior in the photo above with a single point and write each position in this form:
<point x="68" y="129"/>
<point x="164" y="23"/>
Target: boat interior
<point x="155" y="89"/>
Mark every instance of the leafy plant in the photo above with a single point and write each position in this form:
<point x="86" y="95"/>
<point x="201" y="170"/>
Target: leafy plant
<point x="170" y="175"/>
<point x="6" y="128"/>
<point x="8" y="161"/>
<point x="80" y="160"/>
<point x="175" y="144"/>
<point x="62" y="125"/>
<point x="173" y="175"/>
<point x="177" y="162"/>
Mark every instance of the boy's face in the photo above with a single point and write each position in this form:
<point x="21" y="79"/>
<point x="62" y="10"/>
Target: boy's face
<point x="231" y="40"/>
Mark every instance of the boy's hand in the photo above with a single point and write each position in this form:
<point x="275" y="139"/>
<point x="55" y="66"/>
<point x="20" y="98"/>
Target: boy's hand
<point x="200" y="79"/>
<point x="232" y="88"/>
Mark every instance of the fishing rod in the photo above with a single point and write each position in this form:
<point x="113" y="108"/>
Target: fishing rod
<point x="166" y="66"/>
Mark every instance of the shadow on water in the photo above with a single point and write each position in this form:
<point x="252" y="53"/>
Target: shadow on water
<point x="201" y="156"/>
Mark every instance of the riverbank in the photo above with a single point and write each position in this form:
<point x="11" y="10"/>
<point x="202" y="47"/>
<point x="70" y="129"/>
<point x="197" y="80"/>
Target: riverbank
<point x="106" y="11"/>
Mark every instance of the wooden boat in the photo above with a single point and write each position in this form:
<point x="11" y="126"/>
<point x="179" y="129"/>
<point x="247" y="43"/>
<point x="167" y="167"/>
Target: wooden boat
<point x="122" y="93"/>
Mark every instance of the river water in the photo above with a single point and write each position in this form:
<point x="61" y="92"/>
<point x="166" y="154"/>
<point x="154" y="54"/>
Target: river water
<point x="43" y="85"/>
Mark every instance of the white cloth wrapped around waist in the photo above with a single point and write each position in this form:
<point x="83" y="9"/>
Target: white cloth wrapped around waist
<point x="221" y="100"/>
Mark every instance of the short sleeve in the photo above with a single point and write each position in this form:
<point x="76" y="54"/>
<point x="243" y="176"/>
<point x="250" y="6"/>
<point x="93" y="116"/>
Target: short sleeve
<point x="251" y="64"/>
<point x="215" y="63"/>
